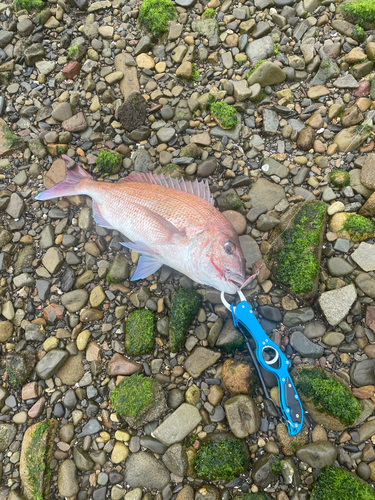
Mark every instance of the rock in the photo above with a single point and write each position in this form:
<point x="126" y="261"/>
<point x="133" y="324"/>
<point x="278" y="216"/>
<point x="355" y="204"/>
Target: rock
<point x="6" y="330"/>
<point x="67" y="482"/>
<point x="200" y="359"/>
<point x="50" y="363"/>
<point x="260" y="49"/>
<point x="129" y="84"/>
<point x="366" y="284"/>
<point x="76" y="123"/>
<point x="7" y="435"/>
<point x="297" y="316"/>
<point x="337" y="303"/>
<point x="267" y="73"/>
<point x="264" y="193"/>
<point x="178" y="425"/>
<point x="175" y="459"/>
<point x="35" y="459"/>
<point x="237" y="377"/>
<point x="75" y="300"/>
<point x="263" y="471"/>
<point x="364" y="256"/>
<point x="304" y="346"/>
<point x="289" y="444"/>
<point x="72" y="371"/>
<point x="205" y="27"/>
<point x="362" y="372"/>
<point x="367" y="171"/>
<point x="242" y="415"/>
<point x="351" y="138"/>
<point x="306" y="138"/>
<point x="145" y="471"/>
<point x="318" y="455"/>
<point x="132" y="114"/>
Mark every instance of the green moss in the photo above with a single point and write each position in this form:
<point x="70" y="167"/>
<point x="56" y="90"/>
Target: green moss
<point x="10" y="138"/>
<point x="73" y="51"/>
<point x="225" y="459"/>
<point x="359" y="129"/>
<point x="38" y="456"/>
<point x="195" y="73"/>
<point x="223" y="112"/>
<point x="209" y="13"/>
<point x="361" y="12"/>
<point x="276" y="465"/>
<point x="155" y="14"/>
<point x="255" y="67"/>
<point x="29" y="5"/>
<point x="231" y="201"/>
<point x="255" y="496"/>
<point x="185" y="306"/>
<point x="336" y="484"/>
<point x="19" y="366"/>
<point x="340" y="178"/>
<point x="329" y="396"/>
<point x="133" y="395"/>
<point x="359" y="33"/>
<point x="358" y="227"/>
<point x="275" y="49"/>
<point x="108" y="162"/>
<point x="297" y="266"/>
<point x="140" y="332"/>
<point x="325" y="65"/>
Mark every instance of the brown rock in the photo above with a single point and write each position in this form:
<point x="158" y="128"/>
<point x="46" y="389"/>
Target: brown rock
<point x="370" y="317"/>
<point x="305" y="139"/>
<point x="185" y="70"/>
<point x="129" y="84"/>
<point x="368" y="172"/>
<point x="237" y="220"/>
<point x="363" y="89"/>
<point x="119" y="365"/>
<point x="71" y="70"/>
<point x="30" y="390"/>
<point x="365" y="392"/>
<point x="6" y="330"/>
<point x="91" y="314"/>
<point x="53" y="312"/>
<point x="315" y="120"/>
<point x="187" y="493"/>
<point x="9" y="142"/>
<point x="332" y="50"/>
<point x="368" y="208"/>
<point x="37" y="409"/>
<point x="93" y="351"/>
<point x="237" y="377"/>
<point x="202" y="139"/>
<point x="290" y="444"/>
<point x="76" y="123"/>
<point x="72" y="370"/>
<point x="55" y="174"/>
<point x="369" y="350"/>
<point x="317" y="91"/>
<point x="351" y="116"/>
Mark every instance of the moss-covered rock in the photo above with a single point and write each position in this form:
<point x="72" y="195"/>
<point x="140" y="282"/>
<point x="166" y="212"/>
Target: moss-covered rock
<point x="360" y="12"/>
<point x="335" y="483"/>
<point x="36" y="455"/>
<point x="223" y="114"/>
<point x="229" y="200"/>
<point x="297" y="248"/>
<point x="108" y="162"/>
<point x="221" y="456"/>
<point x="326" y="399"/>
<point x="185" y="306"/>
<point x="340" y="178"/>
<point x="139" y="400"/>
<point x="19" y="365"/>
<point x="352" y="227"/>
<point x="155" y="14"/>
<point x="255" y="496"/>
<point x="140" y="332"/>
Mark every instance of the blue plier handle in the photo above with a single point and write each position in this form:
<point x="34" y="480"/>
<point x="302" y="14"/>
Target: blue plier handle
<point x="244" y="319"/>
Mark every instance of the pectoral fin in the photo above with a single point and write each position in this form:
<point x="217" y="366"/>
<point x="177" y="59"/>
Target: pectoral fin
<point x="139" y="247"/>
<point x="147" y="265"/>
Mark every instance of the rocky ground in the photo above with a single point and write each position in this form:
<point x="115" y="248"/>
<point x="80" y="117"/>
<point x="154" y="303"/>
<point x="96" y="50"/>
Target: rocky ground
<point x="82" y="77"/>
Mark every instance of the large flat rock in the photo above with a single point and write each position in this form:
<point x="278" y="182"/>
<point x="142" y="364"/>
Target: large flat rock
<point x="129" y="83"/>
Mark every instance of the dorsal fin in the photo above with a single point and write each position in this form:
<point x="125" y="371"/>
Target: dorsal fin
<point x="201" y="189"/>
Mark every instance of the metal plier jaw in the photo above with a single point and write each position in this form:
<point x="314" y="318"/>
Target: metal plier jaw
<point x="275" y="361"/>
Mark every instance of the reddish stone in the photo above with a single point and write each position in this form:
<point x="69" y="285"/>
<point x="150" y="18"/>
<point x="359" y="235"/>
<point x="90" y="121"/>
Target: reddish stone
<point x="76" y="123"/>
<point x="119" y="365"/>
<point x="93" y="351"/>
<point x="368" y="147"/>
<point x="363" y="89"/>
<point x="30" y="390"/>
<point x="37" y="409"/>
<point x="71" y="69"/>
<point x="53" y="312"/>
<point x="237" y="377"/>
<point x="365" y="392"/>
<point x="370" y="317"/>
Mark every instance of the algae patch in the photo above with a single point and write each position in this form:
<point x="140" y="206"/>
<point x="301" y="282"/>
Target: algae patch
<point x="140" y="332"/>
<point x="328" y="395"/>
<point x="297" y="243"/>
<point x="336" y="484"/>
<point x="133" y="396"/>
<point x="185" y="306"/>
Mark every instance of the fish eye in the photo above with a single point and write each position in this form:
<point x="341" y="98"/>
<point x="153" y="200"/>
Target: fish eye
<point x="229" y="247"/>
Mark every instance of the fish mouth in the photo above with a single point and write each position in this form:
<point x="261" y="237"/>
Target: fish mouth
<point x="235" y="279"/>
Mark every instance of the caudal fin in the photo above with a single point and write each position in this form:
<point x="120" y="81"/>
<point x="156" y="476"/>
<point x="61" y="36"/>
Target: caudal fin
<point x="69" y="186"/>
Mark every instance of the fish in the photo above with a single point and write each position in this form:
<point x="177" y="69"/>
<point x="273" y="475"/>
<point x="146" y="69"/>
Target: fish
<point x="167" y="221"/>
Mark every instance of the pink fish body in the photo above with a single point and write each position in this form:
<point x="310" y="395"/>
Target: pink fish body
<point x="168" y="222"/>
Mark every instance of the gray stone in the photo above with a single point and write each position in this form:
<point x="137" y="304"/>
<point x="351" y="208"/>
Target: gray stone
<point x="298" y="316"/>
<point x="260" y="49"/>
<point x="270" y="121"/>
<point x="75" y="300"/>
<point x="145" y="471"/>
<point x="178" y="425"/>
<point x="338" y="266"/>
<point x="337" y="303"/>
<point x="67" y="481"/>
<point x="333" y="339"/>
<point x="205" y="27"/>
<point x="304" y="346"/>
<point x="267" y="222"/>
<point x="165" y="134"/>
<point x="264" y="193"/>
<point x="7" y="434"/>
<point x="50" y="363"/>
<point x="176" y="460"/>
<point x="242" y="415"/>
<point x="5" y="38"/>
<point x="141" y="160"/>
<point x="362" y="372"/>
<point x="250" y="250"/>
<point x="200" y="359"/>
<point x="318" y="455"/>
<point x="364" y="256"/>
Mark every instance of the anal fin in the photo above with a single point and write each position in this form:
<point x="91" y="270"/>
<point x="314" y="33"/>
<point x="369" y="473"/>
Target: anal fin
<point x="147" y="265"/>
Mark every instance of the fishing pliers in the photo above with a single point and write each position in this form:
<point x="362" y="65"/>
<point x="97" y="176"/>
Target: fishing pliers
<point x="270" y="357"/>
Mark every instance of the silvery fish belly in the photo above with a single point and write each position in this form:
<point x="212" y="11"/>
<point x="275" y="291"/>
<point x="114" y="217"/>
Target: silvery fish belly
<point x="167" y="221"/>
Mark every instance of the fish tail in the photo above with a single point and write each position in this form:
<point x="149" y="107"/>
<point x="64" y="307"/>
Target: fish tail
<point x="71" y="185"/>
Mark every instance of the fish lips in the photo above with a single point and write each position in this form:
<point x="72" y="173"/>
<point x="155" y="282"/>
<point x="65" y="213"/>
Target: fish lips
<point x="234" y="279"/>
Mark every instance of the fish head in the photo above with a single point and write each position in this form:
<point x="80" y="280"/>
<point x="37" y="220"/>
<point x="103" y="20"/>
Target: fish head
<point x="218" y="261"/>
